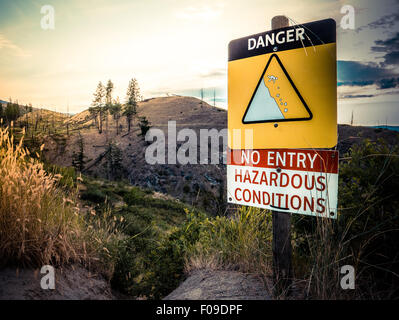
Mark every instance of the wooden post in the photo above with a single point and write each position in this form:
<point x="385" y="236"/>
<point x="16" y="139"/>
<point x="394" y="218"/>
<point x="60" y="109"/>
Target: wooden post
<point x="279" y="22"/>
<point x="282" y="250"/>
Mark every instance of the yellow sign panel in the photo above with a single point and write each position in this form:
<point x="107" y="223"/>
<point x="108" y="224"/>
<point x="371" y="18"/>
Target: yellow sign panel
<point x="282" y="88"/>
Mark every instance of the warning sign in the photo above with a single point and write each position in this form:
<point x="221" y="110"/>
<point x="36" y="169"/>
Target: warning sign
<point x="288" y="180"/>
<point x="282" y="87"/>
<point x="276" y="98"/>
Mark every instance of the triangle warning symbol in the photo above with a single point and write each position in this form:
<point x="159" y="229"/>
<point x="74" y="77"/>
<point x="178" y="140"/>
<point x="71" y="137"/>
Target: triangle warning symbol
<point x="275" y="98"/>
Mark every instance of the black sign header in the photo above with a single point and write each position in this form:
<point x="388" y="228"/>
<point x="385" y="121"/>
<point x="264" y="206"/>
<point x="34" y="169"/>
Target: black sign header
<point x="293" y="37"/>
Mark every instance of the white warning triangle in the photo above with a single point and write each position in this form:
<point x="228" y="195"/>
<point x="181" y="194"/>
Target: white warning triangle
<point x="276" y="98"/>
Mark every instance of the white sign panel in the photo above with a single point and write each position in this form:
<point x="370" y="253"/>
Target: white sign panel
<point x="287" y="180"/>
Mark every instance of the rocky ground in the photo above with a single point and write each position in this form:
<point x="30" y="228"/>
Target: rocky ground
<point x="76" y="283"/>
<point x="220" y="285"/>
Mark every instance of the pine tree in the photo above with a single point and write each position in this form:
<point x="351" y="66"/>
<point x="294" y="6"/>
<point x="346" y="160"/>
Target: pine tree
<point x="132" y="98"/>
<point x="144" y="126"/>
<point x="108" y="102"/>
<point x="108" y="92"/>
<point x="114" y="162"/>
<point x="98" y="105"/>
<point x="11" y="112"/>
<point x="78" y="158"/>
<point x="115" y="110"/>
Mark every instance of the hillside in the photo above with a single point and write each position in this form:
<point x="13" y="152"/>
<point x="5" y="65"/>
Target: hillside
<point x="195" y="184"/>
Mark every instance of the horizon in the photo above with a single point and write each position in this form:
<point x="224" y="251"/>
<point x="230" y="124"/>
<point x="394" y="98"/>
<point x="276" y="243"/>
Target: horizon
<point x="344" y="118"/>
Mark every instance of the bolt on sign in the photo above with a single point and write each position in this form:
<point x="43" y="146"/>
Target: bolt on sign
<point x="288" y="180"/>
<point x="282" y="85"/>
<point x="282" y="110"/>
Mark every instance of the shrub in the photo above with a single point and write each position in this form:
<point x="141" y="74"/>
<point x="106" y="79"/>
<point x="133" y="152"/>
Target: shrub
<point x="151" y="262"/>
<point x="93" y="194"/>
<point x="241" y="242"/>
<point x="134" y="196"/>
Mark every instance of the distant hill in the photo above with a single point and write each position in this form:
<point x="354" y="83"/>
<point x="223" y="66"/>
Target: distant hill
<point x="393" y="128"/>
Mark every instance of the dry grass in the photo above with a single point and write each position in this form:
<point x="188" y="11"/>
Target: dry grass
<point x="204" y="262"/>
<point x="39" y="223"/>
<point x="329" y="251"/>
<point x="105" y="238"/>
<point x="241" y="243"/>
<point x="326" y="255"/>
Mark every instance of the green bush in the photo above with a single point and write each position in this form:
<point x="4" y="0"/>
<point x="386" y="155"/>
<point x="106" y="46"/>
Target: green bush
<point x="151" y="262"/>
<point x="150" y="268"/>
<point x="135" y="196"/>
<point x="93" y="194"/>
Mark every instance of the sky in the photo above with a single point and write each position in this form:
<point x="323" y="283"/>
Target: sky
<point x="179" y="47"/>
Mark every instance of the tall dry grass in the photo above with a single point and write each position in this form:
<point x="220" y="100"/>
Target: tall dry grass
<point x="327" y="253"/>
<point x="39" y="223"/>
<point x="332" y="246"/>
<point x="242" y="242"/>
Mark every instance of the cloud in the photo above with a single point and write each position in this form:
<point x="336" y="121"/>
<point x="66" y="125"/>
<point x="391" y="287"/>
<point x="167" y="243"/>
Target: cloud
<point x="385" y="22"/>
<point x="358" y="92"/>
<point x="388" y="83"/>
<point x="355" y="73"/>
<point x="353" y="96"/>
<point x="6" y="44"/>
<point x="390" y="47"/>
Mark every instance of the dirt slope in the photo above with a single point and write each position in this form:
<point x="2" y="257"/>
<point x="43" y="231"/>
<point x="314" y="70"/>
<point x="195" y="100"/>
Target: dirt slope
<point x="70" y="284"/>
